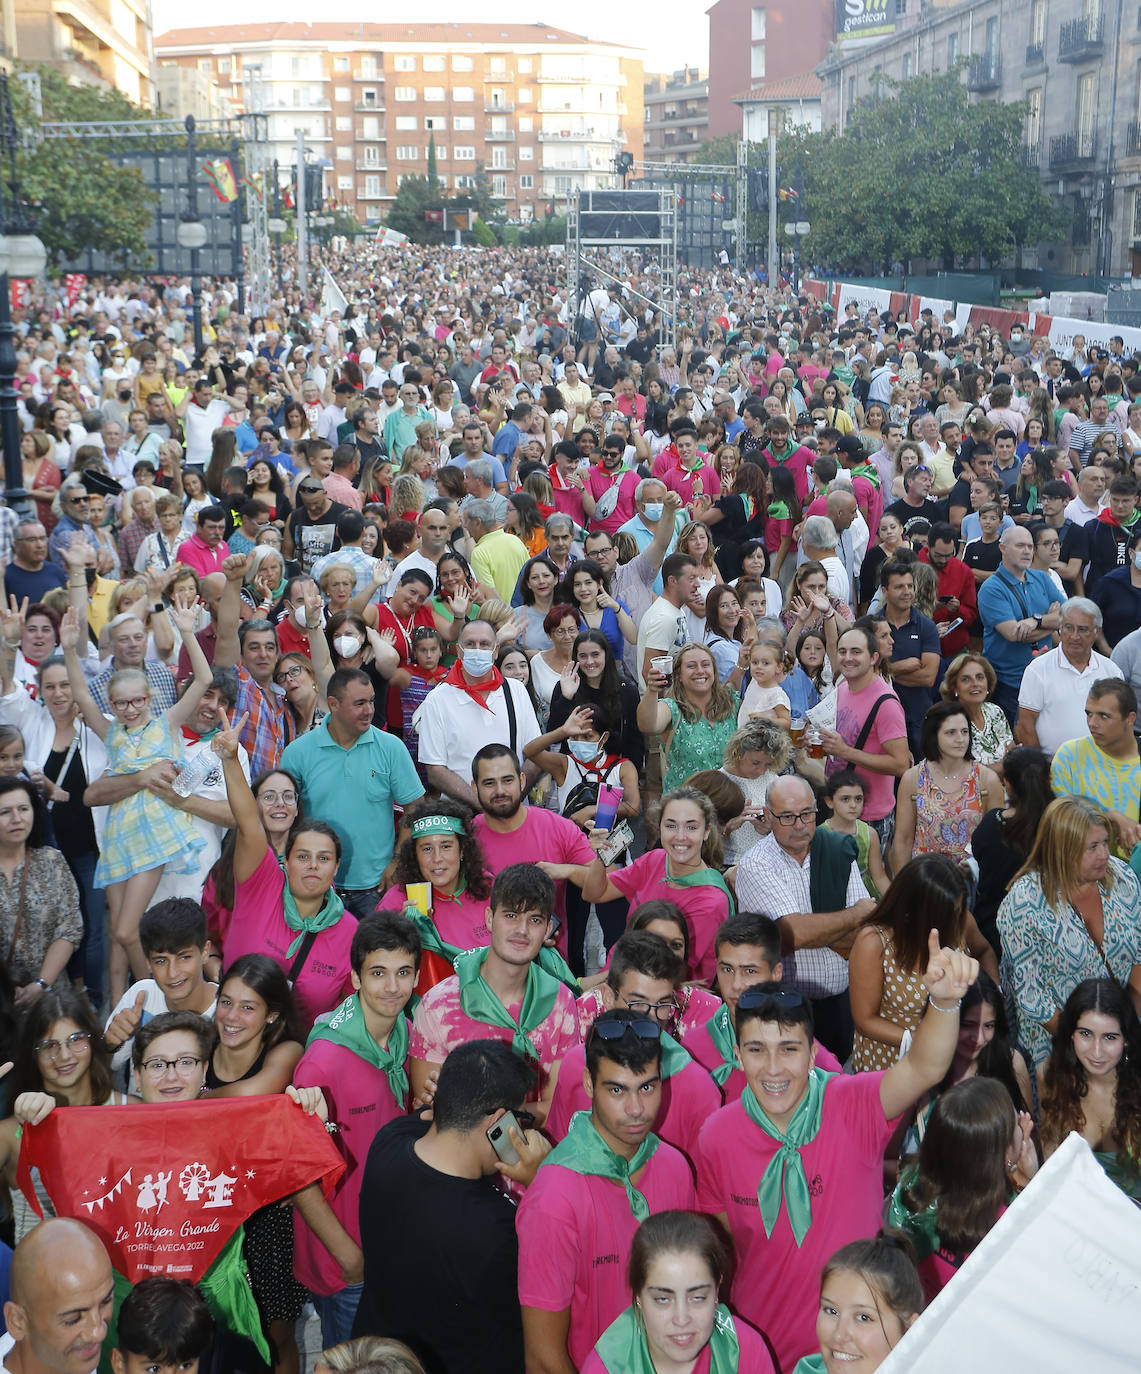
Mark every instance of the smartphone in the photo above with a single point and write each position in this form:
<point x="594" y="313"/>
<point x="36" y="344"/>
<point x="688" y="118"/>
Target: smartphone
<point x="606" y="812"/>
<point x="954" y="624"/>
<point x="500" y="1137"/>
<point x="620" y="838"/>
<point x="420" y="895"/>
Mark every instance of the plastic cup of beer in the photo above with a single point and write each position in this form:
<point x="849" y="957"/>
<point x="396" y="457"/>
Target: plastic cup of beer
<point x="796" y="730"/>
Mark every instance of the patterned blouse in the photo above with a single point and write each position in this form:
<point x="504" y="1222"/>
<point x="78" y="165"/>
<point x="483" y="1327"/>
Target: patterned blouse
<point x="1047" y="951"/>
<point x="989" y="744"/>
<point x="51" y="912"/>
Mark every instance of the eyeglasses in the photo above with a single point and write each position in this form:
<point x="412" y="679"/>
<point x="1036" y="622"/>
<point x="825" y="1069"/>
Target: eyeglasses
<point x="642" y="1027"/>
<point x="309" y="491"/>
<point x="791" y="817"/>
<point x="657" y="1011"/>
<point x="50" y="1049"/>
<point x="757" y="997"/>
<point x="1084" y="630"/>
<point x="129" y="704"/>
<point x="290" y="674"/>
<point x="184" y="1065"/>
<point x="287" y="796"/>
<point x="78" y="500"/>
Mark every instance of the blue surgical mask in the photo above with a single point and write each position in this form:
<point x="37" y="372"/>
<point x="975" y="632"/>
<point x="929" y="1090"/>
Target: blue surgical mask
<point x="584" y="750"/>
<point x="478" y="662"/>
<point x="1137" y="560"/>
<point x="654" y="510"/>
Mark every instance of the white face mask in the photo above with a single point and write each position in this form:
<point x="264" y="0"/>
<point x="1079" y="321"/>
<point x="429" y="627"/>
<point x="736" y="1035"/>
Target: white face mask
<point x="299" y="617"/>
<point x="347" y="645"/>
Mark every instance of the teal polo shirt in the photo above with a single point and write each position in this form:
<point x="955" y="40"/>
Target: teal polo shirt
<point x="354" y="790"/>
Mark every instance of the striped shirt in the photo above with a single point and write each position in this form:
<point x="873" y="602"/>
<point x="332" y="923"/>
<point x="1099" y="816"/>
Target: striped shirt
<point x="1081" y="769"/>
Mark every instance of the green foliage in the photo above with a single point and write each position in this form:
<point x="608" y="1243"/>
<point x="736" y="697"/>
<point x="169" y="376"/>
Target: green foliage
<point x="413" y="196"/>
<point x="484" y="234"/>
<point x="433" y="172"/>
<point x="920" y="173"/>
<point x="80" y="197"/>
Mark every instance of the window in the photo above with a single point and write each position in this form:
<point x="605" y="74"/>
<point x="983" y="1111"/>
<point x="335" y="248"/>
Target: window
<point x="464" y="183"/>
<point x="372" y="156"/>
<point x="463" y="152"/>
<point x="526" y="154"/>
<point x="441" y="153"/>
<point x="1038" y="24"/>
<point x="372" y="185"/>
<point x="344" y="124"/>
<point x="525" y="64"/>
<point x="406" y="123"/>
<point x="343" y="93"/>
<point x="497" y="64"/>
<point x="906" y="67"/>
<point x="1086" y="115"/>
<point x="499" y="188"/>
<point x="1034" y="119"/>
<point x="368" y="97"/>
<point x="205" y="66"/>
<point x="223" y="64"/>
<point x="499" y="156"/>
<point x="435" y="122"/>
<point x="461" y="63"/>
<point x="992" y="37"/>
<point x="757" y="67"/>
<point x="434" y="64"/>
<point x="435" y="93"/>
<point x="952" y="49"/>
<point x="344" y="183"/>
<point x="526" y="182"/>
<point x="1137" y="215"/>
<point x="463" y="93"/>
<point x="370" y="127"/>
<point x="368" y="68"/>
<point x="404" y="93"/>
<point x="403" y="62"/>
<point x="525" y="96"/>
<point x="463" y="124"/>
<point x="758" y="24"/>
<point x="407" y="152"/>
<point x="340" y="64"/>
<point x="526" y="124"/>
<point x="344" y="155"/>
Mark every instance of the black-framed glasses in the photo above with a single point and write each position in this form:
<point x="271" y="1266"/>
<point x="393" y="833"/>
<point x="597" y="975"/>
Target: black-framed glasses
<point x="756" y="998"/>
<point x="654" y="1011"/>
<point x="640" y="1026"/>
<point x="309" y="491"/>
<point x="791" y="817"/>
<point x="183" y="1065"/>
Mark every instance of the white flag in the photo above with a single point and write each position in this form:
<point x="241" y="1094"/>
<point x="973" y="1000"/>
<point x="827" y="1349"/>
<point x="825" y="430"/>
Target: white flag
<point x="1056" y="1285"/>
<point x="332" y="297"/>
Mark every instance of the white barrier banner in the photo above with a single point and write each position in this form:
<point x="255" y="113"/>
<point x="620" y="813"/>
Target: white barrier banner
<point x="864" y="297"/>
<point x="1063" y="329"/>
<point x="1056" y="1285"/>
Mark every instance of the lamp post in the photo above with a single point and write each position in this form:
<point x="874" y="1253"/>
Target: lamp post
<point x="22" y="257"/>
<point x="191" y="233"/>
<point x="277" y="224"/>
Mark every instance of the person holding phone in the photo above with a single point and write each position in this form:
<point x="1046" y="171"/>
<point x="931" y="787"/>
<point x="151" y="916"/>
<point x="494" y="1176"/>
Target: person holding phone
<point x="577" y="1220"/>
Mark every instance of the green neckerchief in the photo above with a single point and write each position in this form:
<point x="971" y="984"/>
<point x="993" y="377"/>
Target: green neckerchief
<point x="623" y="1347"/>
<point x="328" y="916"/>
<point x="830" y="858"/>
<point x="778" y="510"/>
<point x="922" y="1227"/>
<point x="479" y="1002"/>
<point x="811" y="1364"/>
<point x="785" y="454"/>
<point x="346" y="1027"/>
<point x="1031" y="499"/>
<point x="844" y="374"/>
<point x="784" y="1176"/>
<point x="867" y="470"/>
<point x="705" y="877"/>
<point x="583" y="1151"/>
<point x="549" y="960"/>
<point x="720" y="1028"/>
<point x="461" y="888"/>
<point x="674" y="1058"/>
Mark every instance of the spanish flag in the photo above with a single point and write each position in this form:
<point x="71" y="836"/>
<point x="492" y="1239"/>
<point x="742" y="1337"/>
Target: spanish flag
<point x="220" y="174"/>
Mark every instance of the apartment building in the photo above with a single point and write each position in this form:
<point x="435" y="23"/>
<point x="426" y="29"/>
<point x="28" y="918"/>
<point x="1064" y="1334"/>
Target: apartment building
<point x="1075" y="65"/>
<point x="676" y="108"/>
<point x="103" y="43"/>
<point x="542" y="111"/>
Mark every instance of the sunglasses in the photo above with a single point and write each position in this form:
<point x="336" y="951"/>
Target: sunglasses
<point x="309" y="491"/>
<point x="754" y="998"/>
<point x="640" y="1026"/>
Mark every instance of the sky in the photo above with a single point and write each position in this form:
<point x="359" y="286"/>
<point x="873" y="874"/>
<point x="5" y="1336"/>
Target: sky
<point x="682" y="40"/>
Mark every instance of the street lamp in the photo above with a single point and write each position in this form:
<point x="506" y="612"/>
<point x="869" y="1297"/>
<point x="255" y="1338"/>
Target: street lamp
<point x="191" y="233"/>
<point x="22" y="258"/>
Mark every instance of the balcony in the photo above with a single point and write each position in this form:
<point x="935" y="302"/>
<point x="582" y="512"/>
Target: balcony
<point x="499" y="135"/>
<point x="1036" y="54"/>
<point x="365" y="107"/>
<point x="362" y="166"/>
<point x="1028" y="155"/>
<point x="500" y="167"/>
<point x="374" y="75"/>
<point x="566" y="135"/>
<point x="1073" y="151"/>
<point x="984" y="72"/>
<point x="1133" y="139"/>
<point x="499" y="107"/>
<point x="1080" y="39"/>
<point x="362" y="137"/>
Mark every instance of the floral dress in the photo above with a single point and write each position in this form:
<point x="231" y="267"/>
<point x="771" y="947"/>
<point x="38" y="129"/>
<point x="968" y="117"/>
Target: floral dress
<point x="945" y="821"/>
<point x="902" y="1002"/>
<point x="696" y="745"/>
<point x="989" y="744"/>
<point x="143" y="832"/>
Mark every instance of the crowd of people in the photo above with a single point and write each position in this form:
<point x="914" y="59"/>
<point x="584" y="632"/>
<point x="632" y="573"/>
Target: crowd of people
<point x="733" y="700"/>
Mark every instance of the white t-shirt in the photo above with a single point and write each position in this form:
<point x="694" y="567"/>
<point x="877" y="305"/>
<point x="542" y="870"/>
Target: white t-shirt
<point x="7" y="1345"/>
<point x="665" y="629"/>
<point x="758" y="698"/>
<point x="454" y="727"/>
<point x="200" y="424"/>
<point x="212" y="789"/>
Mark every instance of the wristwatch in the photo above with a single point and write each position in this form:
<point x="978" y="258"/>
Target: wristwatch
<point x="1038" y="621"/>
<point x="40" y="982"/>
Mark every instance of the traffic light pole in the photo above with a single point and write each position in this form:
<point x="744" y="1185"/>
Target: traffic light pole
<point x="774" y="261"/>
<point x="302" y="226"/>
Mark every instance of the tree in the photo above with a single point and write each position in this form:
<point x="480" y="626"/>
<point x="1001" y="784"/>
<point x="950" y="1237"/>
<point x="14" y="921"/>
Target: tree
<point x="433" y="174"/>
<point x="414" y="197"/>
<point x="81" y="197"/>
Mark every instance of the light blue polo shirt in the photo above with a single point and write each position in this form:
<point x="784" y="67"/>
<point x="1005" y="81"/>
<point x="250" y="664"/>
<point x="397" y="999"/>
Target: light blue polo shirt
<point x="1003" y="597"/>
<point x="355" y="790"/>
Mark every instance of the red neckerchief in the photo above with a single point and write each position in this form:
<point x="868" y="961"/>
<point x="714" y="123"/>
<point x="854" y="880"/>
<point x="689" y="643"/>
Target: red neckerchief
<point x="478" y="691"/>
<point x="195" y="737"/>
<point x="557" y="479"/>
<point x="1105" y="516"/>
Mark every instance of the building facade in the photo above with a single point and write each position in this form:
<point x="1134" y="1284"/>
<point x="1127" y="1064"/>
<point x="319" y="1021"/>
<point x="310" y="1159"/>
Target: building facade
<point x="543" y="112"/>
<point x="752" y="43"/>
<point x="795" y="100"/>
<point x="103" y="43"/>
<point x="676" y="108"/>
<point x="1079" y="75"/>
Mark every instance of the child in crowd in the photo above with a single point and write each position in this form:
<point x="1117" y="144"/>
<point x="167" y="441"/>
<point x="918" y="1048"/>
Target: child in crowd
<point x="164" y="1326"/>
<point x="844" y="798"/>
<point x="982" y="555"/>
<point x="764" y="698"/>
<point x="425" y="671"/>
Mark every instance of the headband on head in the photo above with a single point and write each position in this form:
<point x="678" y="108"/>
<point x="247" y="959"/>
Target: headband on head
<point x="437" y="825"/>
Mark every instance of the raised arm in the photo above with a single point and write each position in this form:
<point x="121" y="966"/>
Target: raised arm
<point x="184" y="614"/>
<point x="653" y="714"/>
<point x="227" y="650"/>
<point x="11" y="632"/>
<point x="251" y="842"/>
<point x="69" y="633"/>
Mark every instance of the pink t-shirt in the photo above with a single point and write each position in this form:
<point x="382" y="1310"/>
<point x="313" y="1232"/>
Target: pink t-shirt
<point x="852" y="709"/>
<point x="705" y="906"/>
<point x="844" y="1168"/>
<point x="689" y="1099"/>
<point x="695" y="1007"/>
<point x="753" y="1356"/>
<point x="599" y="482"/>
<point x="461" y="923"/>
<point x="361" y="1102"/>
<point x="699" y="1045"/>
<point x="257" y="926"/>
<point x="575" y="1233"/>
<point x="543" y="835"/>
<point x="439" y="1024"/>
<point x="686" y="483"/>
